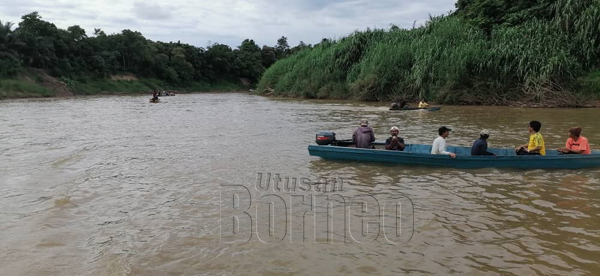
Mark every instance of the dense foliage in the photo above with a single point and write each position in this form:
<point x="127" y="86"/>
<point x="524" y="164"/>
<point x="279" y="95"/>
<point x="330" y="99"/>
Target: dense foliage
<point x="71" y="53"/>
<point x="486" y="52"/>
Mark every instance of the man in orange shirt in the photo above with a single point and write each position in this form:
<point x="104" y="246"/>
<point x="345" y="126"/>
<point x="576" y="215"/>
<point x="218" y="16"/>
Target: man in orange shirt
<point x="576" y="144"/>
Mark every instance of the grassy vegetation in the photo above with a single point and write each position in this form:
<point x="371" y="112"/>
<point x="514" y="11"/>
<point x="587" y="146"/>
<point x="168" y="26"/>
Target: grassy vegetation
<point x="451" y="61"/>
<point x="16" y="88"/>
<point x="30" y="85"/>
<point x="589" y="85"/>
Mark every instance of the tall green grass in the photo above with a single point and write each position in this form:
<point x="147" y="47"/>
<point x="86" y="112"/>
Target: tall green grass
<point x="450" y="61"/>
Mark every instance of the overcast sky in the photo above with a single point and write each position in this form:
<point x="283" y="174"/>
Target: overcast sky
<point x="229" y="21"/>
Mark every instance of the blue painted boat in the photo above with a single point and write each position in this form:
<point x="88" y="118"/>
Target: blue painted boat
<point x="420" y="155"/>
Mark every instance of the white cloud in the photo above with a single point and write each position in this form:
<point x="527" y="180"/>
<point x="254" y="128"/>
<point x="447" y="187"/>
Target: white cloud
<point x="229" y="21"/>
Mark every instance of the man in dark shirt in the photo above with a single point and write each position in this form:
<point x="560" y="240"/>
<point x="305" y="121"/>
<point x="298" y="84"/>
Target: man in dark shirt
<point x="480" y="145"/>
<point x="394" y="142"/>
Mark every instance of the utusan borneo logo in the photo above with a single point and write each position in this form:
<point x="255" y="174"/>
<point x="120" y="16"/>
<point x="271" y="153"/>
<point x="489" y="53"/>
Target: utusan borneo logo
<point x="299" y="210"/>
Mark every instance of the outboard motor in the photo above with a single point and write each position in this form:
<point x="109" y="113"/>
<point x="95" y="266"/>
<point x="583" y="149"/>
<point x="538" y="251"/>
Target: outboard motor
<point x="325" y="137"/>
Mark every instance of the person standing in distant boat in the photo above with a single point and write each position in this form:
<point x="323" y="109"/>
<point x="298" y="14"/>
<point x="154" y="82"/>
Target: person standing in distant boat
<point x="480" y="146"/>
<point x="536" y="145"/>
<point x="395" y="142"/>
<point x="439" y="144"/>
<point x="576" y="144"/>
<point x="155" y="95"/>
<point x="363" y="136"/>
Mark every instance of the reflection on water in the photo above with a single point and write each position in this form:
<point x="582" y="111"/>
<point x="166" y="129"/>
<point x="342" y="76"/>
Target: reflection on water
<point x="114" y="185"/>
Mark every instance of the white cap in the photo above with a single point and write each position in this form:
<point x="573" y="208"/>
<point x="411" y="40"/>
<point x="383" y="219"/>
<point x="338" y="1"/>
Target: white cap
<point x="394" y="128"/>
<point x="484" y="132"/>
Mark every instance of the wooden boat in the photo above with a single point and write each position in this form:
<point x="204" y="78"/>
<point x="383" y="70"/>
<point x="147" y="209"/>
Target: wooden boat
<point x="420" y="155"/>
<point x="155" y="101"/>
<point x="432" y="108"/>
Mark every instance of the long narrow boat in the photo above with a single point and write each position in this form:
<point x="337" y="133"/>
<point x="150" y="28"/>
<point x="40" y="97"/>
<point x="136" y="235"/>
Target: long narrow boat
<point x="433" y="108"/>
<point x="420" y="155"/>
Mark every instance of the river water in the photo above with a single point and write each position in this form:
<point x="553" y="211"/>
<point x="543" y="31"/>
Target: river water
<point x="118" y="186"/>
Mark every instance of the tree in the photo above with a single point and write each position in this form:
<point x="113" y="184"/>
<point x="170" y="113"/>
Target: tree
<point x="220" y="58"/>
<point x="282" y="49"/>
<point x="76" y="33"/>
<point x="99" y="32"/>
<point x="268" y="56"/>
<point x="9" y="57"/>
<point x="178" y="62"/>
<point x="39" y="37"/>
<point x="249" y="61"/>
<point x="301" y="46"/>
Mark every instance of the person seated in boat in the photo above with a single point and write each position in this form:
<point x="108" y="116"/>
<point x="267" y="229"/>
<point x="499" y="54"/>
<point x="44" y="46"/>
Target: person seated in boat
<point x="395" y="105"/>
<point x="480" y="145"/>
<point x="394" y="142"/>
<point x="423" y="104"/>
<point x="404" y="104"/>
<point x="536" y="145"/>
<point x="576" y="144"/>
<point x="155" y="95"/>
<point x="439" y="144"/>
<point x="363" y="136"/>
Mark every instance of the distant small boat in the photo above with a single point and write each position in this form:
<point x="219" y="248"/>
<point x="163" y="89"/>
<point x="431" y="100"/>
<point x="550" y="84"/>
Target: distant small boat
<point x="155" y="100"/>
<point x="433" y="108"/>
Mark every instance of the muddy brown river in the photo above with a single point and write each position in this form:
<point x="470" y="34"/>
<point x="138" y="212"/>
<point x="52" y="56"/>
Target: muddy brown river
<point x="117" y="186"/>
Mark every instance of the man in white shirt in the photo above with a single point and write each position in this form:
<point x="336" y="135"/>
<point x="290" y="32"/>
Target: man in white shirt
<point x="439" y="144"/>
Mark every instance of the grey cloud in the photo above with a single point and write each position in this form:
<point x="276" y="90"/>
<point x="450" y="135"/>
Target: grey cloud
<point x="231" y="21"/>
<point x="151" y="11"/>
<point x="313" y="5"/>
<point x="117" y="24"/>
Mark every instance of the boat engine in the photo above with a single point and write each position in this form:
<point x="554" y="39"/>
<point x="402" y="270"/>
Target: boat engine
<point x="325" y="137"/>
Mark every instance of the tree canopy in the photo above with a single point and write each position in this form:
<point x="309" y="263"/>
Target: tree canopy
<point x="73" y="53"/>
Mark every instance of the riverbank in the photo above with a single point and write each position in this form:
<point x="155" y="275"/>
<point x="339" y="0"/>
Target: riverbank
<point x="35" y="83"/>
<point x="585" y="94"/>
<point x="591" y="102"/>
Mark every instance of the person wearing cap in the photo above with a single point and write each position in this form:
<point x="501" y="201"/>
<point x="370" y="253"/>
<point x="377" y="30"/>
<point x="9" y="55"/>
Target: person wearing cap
<point x="480" y="145"/>
<point x="439" y="144"/>
<point x="576" y="144"/>
<point x="363" y="136"/>
<point x="536" y="145"/>
<point x="394" y="142"/>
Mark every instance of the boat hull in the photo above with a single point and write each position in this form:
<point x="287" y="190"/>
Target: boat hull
<point x="463" y="161"/>
<point x="435" y="108"/>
